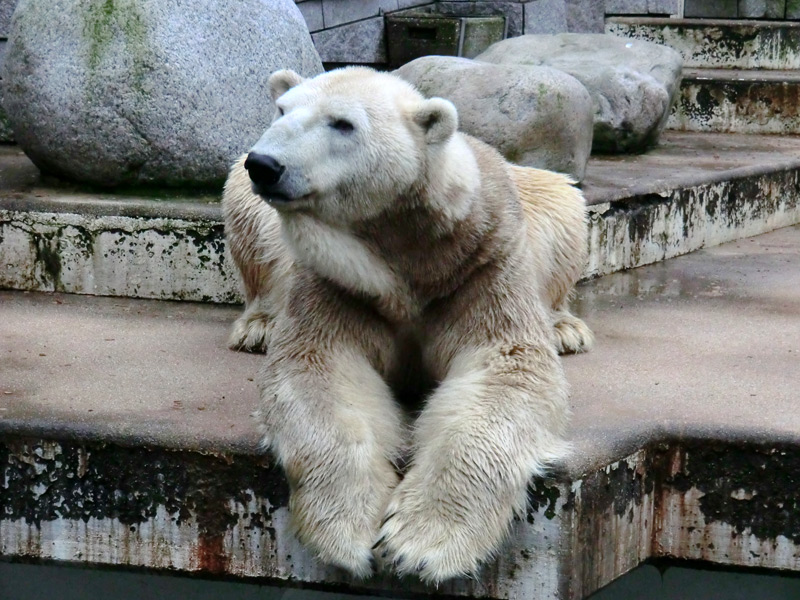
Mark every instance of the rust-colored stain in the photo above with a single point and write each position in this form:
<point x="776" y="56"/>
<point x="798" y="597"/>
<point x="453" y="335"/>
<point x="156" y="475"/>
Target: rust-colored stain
<point x="210" y="554"/>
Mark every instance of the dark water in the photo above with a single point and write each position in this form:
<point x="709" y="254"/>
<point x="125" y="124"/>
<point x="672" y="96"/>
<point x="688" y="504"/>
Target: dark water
<point x="670" y="582"/>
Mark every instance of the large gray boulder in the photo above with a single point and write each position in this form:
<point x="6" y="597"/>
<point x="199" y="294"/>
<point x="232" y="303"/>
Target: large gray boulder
<point x="633" y="83"/>
<point x="535" y="116"/>
<point x="165" y="93"/>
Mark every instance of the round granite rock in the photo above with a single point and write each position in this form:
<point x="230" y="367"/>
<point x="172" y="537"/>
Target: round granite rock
<point x="128" y="92"/>
<point x="633" y="83"/>
<point x="535" y="116"/>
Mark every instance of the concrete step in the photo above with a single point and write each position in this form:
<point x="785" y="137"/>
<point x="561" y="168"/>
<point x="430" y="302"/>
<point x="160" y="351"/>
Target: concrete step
<point x="736" y="101"/>
<point x="126" y="438"/>
<point x="693" y="191"/>
<point x="728" y="44"/>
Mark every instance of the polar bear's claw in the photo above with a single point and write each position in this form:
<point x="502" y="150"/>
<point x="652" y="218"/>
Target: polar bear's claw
<point x="419" y="538"/>
<point x="250" y="333"/>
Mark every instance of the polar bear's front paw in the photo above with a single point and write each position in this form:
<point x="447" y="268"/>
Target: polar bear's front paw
<point x="572" y="334"/>
<point x="423" y="535"/>
<point x="337" y="515"/>
<point x="341" y="539"/>
<point x="250" y="333"/>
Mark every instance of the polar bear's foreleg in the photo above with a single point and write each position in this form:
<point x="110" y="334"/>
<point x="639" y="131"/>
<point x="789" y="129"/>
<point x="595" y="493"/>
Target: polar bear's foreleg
<point x="251" y="331"/>
<point x="337" y="431"/>
<point x="253" y="237"/>
<point x="494" y="422"/>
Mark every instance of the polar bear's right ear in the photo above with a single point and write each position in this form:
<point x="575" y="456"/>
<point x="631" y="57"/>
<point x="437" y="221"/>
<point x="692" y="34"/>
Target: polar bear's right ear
<point x="438" y="117"/>
<point x="282" y="81"/>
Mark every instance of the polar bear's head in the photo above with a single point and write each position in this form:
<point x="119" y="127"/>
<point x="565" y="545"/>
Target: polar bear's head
<point x="345" y="144"/>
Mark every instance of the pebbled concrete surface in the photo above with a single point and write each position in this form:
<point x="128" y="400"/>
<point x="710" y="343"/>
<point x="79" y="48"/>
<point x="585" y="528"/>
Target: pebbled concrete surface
<point x="688" y="159"/>
<point x="129" y="371"/>
<point x="702" y="346"/>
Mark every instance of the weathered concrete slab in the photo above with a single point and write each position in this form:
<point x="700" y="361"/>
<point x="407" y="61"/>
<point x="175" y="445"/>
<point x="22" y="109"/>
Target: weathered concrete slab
<point x="117" y="447"/>
<point x="693" y="191"/>
<point x="705" y="43"/>
<point x="726" y="101"/>
<point x="56" y="238"/>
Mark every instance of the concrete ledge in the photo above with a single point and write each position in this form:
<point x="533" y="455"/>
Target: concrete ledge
<point x="753" y="102"/>
<point x="649" y="228"/>
<point x="125" y="438"/>
<point x="714" y="43"/>
<point x="693" y="191"/>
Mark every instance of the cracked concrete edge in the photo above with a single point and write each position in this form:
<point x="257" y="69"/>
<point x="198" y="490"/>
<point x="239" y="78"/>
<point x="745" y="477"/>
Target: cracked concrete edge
<point x="728" y="105"/>
<point x="174" y="259"/>
<point x="645" y="187"/>
<point x="626" y="234"/>
<point x="102" y="205"/>
<point x="747" y="44"/>
<point x="150" y="249"/>
<point x="685" y="499"/>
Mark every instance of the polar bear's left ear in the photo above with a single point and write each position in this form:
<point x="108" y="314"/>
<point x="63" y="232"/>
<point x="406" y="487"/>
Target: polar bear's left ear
<point x="282" y="81"/>
<point x="438" y="117"/>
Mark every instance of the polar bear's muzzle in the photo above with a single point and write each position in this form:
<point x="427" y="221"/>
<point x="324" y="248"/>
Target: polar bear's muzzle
<point x="265" y="173"/>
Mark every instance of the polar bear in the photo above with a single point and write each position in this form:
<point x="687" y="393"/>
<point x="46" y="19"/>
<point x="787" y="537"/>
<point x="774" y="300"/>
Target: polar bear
<point x="388" y="257"/>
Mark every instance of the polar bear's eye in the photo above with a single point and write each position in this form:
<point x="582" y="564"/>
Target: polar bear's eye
<point x="280" y="111"/>
<point x="342" y="126"/>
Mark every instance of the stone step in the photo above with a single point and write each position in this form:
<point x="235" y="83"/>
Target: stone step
<point x="693" y="191"/>
<point x="738" y="101"/>
<point x="706" y="43"/>
<point x="126" y="438"/>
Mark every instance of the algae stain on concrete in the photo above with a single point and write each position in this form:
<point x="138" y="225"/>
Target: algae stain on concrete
<point x="106" y="20"/>
<point x="46" y="251"/>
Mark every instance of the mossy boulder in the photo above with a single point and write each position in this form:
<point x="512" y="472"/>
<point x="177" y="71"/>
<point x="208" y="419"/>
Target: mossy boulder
<point x="115" y="92"/>
<point x="633" y="83"/>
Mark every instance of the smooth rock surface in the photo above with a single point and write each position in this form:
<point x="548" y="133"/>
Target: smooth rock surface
<point x="131" y="92"/>
<point x="5" y="130"/>
<point x="535" y="116"/>
<point x="632" y="83"/>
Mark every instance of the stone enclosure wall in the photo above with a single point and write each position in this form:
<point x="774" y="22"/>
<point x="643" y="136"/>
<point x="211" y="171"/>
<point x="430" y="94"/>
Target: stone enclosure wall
<point x="352" y="31"/>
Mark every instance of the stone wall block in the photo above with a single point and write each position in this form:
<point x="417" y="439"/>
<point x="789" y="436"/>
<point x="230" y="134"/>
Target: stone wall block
<point x="663" y="7"/>
<point x="721" y="9"/>
<point x="585" y="16"/>
<point x="312" y="13"/>
<point x="362" y="42"/>
<point x="762" y="9"/>
<point x="626" y="7"/>
<point x="340" y="12"/>
<point x="513" y="11"/>
<point x="545" y="16"/>
<point x="403" y="4"/>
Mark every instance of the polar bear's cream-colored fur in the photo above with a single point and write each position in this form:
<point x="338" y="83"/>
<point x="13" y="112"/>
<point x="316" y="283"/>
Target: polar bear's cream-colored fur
<point x="386" y="256"/>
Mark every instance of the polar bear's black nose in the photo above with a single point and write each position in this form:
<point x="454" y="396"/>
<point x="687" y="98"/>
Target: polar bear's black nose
<point x="263" y="169"/>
